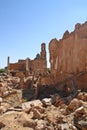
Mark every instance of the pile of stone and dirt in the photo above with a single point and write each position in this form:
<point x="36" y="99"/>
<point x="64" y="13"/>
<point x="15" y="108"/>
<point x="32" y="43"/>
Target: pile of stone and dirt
<point x="53" y="113"/>
<point x="9" y="89"/>
<point x="8" y="84"/>
<point x="46" y="114"/>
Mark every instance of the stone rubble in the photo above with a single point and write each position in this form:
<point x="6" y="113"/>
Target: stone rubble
<point x="54" y="113"/>
<point x="45" y="117"/>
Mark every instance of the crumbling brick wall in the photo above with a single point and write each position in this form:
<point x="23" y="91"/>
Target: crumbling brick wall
<point x="68" y="56"/>
<point x="28" y="67"/>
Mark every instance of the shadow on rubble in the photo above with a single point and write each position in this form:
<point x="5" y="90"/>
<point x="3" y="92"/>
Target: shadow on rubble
<point x="66" y="89"/>
<point x="44" y="92"/>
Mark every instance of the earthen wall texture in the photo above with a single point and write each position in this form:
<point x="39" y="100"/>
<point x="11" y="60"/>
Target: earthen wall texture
<point x="68" y="56"/>
<point x="37" y="66"/>
<point x="16" y="66"/>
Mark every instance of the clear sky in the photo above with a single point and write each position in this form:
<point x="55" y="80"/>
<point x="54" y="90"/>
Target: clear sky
<point x="25" y="24"/>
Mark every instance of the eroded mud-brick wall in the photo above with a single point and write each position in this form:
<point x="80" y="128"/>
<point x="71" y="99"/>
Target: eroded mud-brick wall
<point x="68" y="56"/>
<point x="37" y="66"/>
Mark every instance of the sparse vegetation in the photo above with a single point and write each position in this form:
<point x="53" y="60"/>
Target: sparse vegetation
<point x="49" y="70"/>
<point x="3" y="70"/>
<point x="37" y="56"/>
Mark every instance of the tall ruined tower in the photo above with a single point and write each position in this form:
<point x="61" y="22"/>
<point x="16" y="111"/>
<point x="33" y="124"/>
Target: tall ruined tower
<point x="43" y="58"/>
<point x="8" y="62"/>
<point x="43" y="51"/>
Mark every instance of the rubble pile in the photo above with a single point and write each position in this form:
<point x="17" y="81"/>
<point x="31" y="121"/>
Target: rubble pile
<point x="9" y="89"/>
<point x="8" y="84"/>
<point x="53" y="113"/>
<point x="34" y="115"/>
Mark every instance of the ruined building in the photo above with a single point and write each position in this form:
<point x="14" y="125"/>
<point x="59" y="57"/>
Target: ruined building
<point x="68" y="56"/>
<point x="68" y="60"/>
<point x="37" y="66"/>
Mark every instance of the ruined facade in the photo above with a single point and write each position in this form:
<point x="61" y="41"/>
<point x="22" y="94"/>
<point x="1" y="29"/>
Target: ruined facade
<point x="68" y="60"/>
<point x="68" y="56"/>
<point x="37" y="66"/>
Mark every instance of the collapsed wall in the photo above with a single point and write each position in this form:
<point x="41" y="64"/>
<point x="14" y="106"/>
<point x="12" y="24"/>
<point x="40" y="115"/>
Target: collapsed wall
<point x="68" y="60"/>
<point x="28" y="67"/>
<point x="68" y="56"/>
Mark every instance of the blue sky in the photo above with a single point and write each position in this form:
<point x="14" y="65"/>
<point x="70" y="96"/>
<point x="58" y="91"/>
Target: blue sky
<point x="25" y="24"/>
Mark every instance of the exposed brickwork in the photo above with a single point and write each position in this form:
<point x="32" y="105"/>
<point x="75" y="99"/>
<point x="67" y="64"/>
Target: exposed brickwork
<point x="68" y="58"/>
<point x="37" y="66"/>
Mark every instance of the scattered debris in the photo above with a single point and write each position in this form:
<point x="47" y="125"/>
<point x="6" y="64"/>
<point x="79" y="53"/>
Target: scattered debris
<point x="53" y="112"/>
